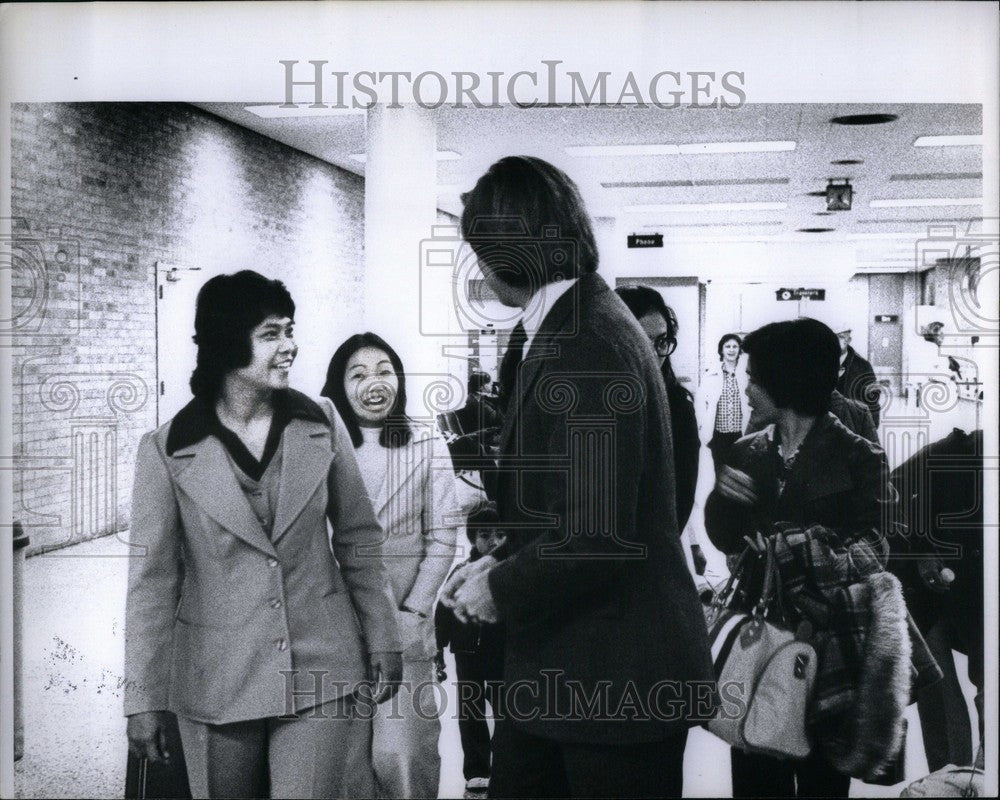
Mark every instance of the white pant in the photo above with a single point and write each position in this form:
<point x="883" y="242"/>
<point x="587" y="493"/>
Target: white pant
<point x="398" y="758"/>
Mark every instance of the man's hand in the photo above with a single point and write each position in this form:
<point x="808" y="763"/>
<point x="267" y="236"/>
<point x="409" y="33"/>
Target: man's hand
<point x="385" y="671"/>
<point x="736" y="486"/>
<point x="461" y="576"/>
<point x="439" y="670"/>
<point x="147" y="736"/>
<point x="700" y="561"/>
<point x="474" y="600"/>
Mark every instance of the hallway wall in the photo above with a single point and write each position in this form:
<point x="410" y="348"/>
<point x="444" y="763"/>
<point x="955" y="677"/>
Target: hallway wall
<point x="101" y="194"/>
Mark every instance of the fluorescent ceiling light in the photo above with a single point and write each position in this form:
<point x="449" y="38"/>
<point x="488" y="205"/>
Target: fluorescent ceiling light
<point x="677" y="149"/>
<point x="863" y="236"/>
<point x="302" y="110"/>
<point x="912" y="202"/>
<point x="442" y="155"/>
<point x="756" y="206"/>
<point x="735" y="147"/>
<point x="948" y="141"/>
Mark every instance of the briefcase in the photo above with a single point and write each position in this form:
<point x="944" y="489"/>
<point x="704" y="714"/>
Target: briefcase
<point x="148" y="780"/>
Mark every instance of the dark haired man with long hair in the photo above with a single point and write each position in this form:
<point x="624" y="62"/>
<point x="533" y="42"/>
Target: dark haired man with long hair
<point x="591" y="584"/>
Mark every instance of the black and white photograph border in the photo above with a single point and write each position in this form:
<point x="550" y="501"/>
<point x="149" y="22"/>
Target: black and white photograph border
<point x="149" y="147"/>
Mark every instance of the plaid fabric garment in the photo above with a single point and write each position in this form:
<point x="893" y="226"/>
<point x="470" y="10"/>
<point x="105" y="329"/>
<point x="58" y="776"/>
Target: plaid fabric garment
<point x="728" y="412"/>
<point x="823" y="581"/>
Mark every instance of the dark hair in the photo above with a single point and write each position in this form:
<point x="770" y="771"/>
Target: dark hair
<point x="477" y="381"/>
<point x="643" y="300"/>
<point x="526" y="222"/>
<point x="730" y="337"/>
<point x="796" y="362"/>
<point x="396" y="428"/>
<point x="485" y="516"/>
<point x="228" y="308"/>
<point x="932" y="331"/>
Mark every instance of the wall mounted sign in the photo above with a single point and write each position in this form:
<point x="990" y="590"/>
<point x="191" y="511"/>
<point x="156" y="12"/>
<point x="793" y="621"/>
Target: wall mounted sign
<point x="800" y="294"/>
<point x="645" y="240"/>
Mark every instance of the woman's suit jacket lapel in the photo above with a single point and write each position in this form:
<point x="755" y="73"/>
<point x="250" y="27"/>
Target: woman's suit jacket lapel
<point x="306" y="455"/>
<point x="203" y="472"/>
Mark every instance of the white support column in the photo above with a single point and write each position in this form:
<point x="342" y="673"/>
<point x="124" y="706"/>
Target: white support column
<point x="400" y="292"/>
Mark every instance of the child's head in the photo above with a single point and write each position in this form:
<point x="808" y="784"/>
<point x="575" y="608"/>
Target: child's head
<point x="482" y="527"/>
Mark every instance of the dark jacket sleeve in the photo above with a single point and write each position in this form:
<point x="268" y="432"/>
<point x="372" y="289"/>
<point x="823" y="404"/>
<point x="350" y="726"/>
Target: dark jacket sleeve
<point x="875" y="500"/>
<point x="444" y="619"/>
<point x="726" y="521"/>
<point x="687" y="447"/>
<point x="867" y="426"/>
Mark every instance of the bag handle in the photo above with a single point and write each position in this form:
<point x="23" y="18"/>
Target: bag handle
<point x="969" y="790"/>
<point x="766" y="594"/>
<point x="720" y="599"/>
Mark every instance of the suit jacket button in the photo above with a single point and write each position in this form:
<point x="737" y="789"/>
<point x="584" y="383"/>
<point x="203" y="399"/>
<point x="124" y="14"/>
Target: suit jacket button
<point x="272" y="562"/>
<point x="275" y="602"/>
<point x="282" y="645"/>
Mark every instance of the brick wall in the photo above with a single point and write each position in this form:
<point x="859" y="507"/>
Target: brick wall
<point x="101" y="194"/>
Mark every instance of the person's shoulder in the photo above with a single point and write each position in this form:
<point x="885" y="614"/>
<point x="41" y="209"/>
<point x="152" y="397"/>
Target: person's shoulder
<point x="603" y="335"/>
<point x="854" y="446"/>
<point x="302" y="406"/>
<point x="158" y="436"/>
<point x="861" y="362"/>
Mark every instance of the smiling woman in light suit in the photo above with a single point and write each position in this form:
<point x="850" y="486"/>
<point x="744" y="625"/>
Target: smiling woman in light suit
<point x="241" y="617"/>
<point x="410" y="479"/>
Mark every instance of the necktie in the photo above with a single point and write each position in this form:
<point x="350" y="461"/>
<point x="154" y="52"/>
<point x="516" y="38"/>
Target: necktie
<point x="509" y="366"/>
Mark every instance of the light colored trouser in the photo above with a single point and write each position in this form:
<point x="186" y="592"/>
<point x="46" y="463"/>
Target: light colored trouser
<point x="399" y="757"/>
<point x="301" y="757"/>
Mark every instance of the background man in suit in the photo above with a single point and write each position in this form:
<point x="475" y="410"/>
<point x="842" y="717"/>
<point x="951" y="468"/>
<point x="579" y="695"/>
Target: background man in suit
<point x="856" y="380"/>
<point x="607" y="659"/>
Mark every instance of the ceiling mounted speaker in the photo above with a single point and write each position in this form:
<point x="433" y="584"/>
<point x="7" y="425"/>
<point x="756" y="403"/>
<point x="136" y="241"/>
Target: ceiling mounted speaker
<point x="839" y="196"/>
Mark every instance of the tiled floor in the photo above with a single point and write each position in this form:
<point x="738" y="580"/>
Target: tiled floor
<point x="74" y="729"/>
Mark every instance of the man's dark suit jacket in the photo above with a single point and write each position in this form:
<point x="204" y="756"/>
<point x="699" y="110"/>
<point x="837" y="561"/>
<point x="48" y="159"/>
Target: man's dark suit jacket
<point x="595" y="593"/>
<point x="858" y="382"/>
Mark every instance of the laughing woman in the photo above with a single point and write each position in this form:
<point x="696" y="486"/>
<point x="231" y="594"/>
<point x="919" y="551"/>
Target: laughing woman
<point x="243" y="617"/>
<point x="409" y="477"/>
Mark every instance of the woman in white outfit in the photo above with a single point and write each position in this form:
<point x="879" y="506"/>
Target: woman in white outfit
<point x="410" y="480"/>
<point x="721" y="402"/>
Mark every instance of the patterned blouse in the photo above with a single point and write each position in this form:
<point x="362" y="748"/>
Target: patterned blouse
<point x="728" y="411"/>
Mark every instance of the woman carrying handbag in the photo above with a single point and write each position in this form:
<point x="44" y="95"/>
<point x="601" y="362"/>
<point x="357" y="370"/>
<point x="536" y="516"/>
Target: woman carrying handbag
<point x="813" y="493"/>
<point x="245" y="617"/>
